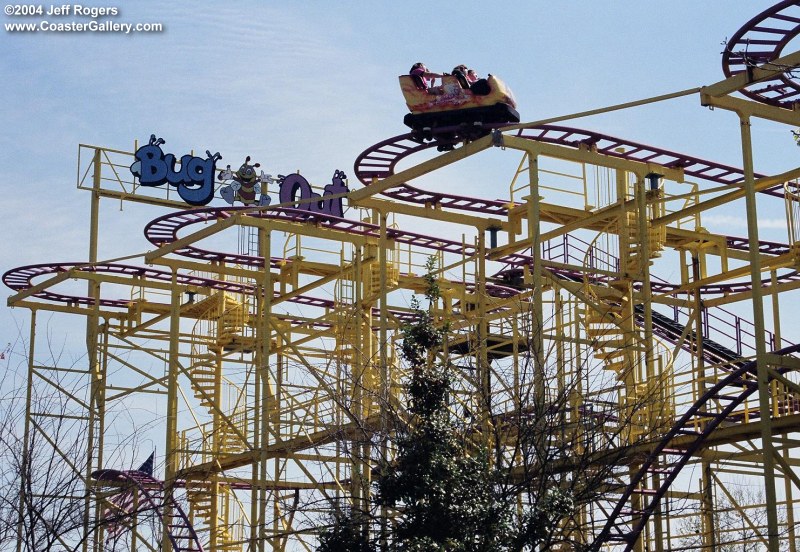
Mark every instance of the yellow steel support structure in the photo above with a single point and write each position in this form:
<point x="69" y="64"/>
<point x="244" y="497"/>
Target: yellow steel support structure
<point x="270" y="383"/>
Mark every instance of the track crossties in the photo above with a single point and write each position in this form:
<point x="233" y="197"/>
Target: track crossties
<point x="759" y="42"/>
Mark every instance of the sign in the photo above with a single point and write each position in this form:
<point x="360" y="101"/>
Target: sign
<point x="245" y="185"/>
<point x="294" y="185"/>
<point x="194" y="180"/>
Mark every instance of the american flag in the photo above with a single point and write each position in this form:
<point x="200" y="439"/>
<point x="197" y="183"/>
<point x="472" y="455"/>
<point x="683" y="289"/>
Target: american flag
<point x="121" y="506"/>
<point x="147" y="466"/>
<point x="120" y="509"/>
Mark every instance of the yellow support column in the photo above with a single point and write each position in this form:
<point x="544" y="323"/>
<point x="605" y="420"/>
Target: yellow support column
<point x="385" y="375"/>
<point x="25" y="435"/>
<point x="263" y="381"/>
<point x="654" y="382"/>
<point x="217" y="446"/>
<point x="482" y="332"/>
<point x="707" y="525"/>
<point x="788" y="488"/>
<point x="765" y="420"/>
<point x="534" y="237"/>
<point x="97" y="381"/>
<point x="171" y="454"/>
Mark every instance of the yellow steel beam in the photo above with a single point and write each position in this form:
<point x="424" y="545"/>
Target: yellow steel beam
<point x="17" y="298"/>
<point x="586" y="155"/>
<point x="753" y="109"/>
<point x="600" y="110"/>
<point x="137" y="198"/>
<point x="786" y="467"/>
<point x="305" y="228"/>
<point x="423" y="168"/>
<point x="736" y="462"/>
<point x="571" y="218"/>
<point x="603" y="216"/>
<point x="280" y="485"/>
<point x="736" y="297"/>
<point x="133" y="329"/>
<point x="742" y="80"/>
<point x="721" y="436"/>
<point x="596" y="220"/>
<point x="133" y="280"/>
<point x="314" y="268"/>
<point x="432" y="212"/>
<point x="345" y="271"/>
<point x="768" y="263"/>
<point x="110" y="150"/>
<point x="71" y="309"/>
<point x="207" y="231"/>
<point x="760" y="185"/>
<point x="280" y="448"/>
<point x="211" y="268"/>
<point x="133" y="367"/>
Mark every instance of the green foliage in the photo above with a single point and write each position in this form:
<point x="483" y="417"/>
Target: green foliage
<point x="422" y="337"/>
<point x="345" y="535"/>
<point x="432" y="291"/>
<point x="419" y="337"/>
<point x="428" y="391"/>
<point x="536" y="523"/>
<point x="448" y="495"/>
<point x="445" y="492"/>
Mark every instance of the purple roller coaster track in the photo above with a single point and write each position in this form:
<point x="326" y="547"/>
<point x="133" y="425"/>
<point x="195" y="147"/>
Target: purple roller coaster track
<point x="759" y="42"/>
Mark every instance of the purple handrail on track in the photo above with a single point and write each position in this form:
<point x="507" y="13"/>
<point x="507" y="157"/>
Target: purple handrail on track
<point x="152" y="497"/>
<point x="634" y="151"/>
<point x="761" y="41"/>
<point x="562" y="250"/>
<point x="369" y="166"/>
<point x="380" y="161"/>
<point x="165" y="229"/>
<point x="741" y="382"/>
<point x="21" y="278"/>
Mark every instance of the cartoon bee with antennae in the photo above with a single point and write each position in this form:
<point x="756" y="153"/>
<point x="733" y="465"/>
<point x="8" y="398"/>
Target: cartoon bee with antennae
<point x="245" y="185"/>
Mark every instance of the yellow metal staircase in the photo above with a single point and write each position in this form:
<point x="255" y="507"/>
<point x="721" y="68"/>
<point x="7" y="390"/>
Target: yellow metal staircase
<point x="233" y="325"/>
<point x="222" y="325"/>
<point x="608" y="338"/>
<point x="610" y="322"/>
<point x="634" y="263"/>
<point x="392" y="276"/>
<point x="201" y="496"/>
<point x="204" y="372"/>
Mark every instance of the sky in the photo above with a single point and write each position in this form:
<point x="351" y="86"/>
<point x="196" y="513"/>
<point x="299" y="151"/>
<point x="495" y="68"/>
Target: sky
<point x="308" y="85"/>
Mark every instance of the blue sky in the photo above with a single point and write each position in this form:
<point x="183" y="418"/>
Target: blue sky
<point x="309" y="85"/>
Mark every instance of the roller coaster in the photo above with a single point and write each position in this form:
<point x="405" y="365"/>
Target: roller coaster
<point x="269" y="369"/>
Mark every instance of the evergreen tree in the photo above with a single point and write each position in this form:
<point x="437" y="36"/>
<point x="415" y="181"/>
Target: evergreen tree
<point x="345" y="535"/>
<point x="447" y="494"/>
<point x="444" y="491"/>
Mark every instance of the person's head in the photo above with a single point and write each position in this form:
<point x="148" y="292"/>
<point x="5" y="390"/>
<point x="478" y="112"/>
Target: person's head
<point x="460" y="69"/>
<point x="419" y="65"/>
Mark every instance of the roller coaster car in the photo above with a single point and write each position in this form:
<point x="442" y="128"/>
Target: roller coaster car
<point x="463" y="110"/>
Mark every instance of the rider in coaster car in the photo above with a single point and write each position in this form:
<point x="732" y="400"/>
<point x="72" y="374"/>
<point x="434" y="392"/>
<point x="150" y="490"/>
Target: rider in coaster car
<point x="460" y="72"/>
<point x="421" y="76"/>
<point x="469" y="80"/>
